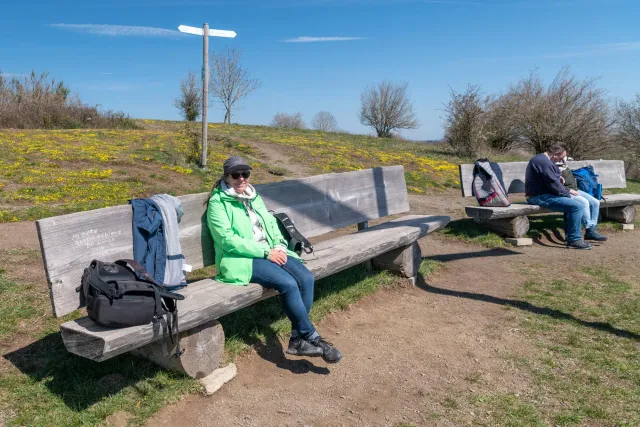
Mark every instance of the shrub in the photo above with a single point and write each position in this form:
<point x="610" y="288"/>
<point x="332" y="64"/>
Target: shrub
<point x="39" y="102"/>
<point x="288" y="121"/>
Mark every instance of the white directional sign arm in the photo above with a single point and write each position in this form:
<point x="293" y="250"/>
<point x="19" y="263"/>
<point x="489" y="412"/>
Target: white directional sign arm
<point x="222" y="33"/>
<point x="212" y="32"/>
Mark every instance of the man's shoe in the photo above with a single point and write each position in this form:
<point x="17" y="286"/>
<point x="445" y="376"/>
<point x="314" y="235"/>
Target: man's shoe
<point x="579" y="244"/>
<point x="330" y="354"/>
<point x="300" y="347"/>
<point x="593" y="234"/>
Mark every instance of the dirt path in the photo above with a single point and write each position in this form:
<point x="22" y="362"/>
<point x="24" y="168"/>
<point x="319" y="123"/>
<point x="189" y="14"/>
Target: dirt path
<point x="280" y="156"/>
<point x="409" y="352"/>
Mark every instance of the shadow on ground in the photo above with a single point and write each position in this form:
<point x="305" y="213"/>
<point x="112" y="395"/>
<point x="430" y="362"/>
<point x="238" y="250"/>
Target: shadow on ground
<point x="526" y="306"/>
<point x="79" y="382"/>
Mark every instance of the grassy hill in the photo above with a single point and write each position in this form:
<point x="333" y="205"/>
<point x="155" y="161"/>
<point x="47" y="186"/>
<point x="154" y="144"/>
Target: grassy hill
<point x="49" y="172"/>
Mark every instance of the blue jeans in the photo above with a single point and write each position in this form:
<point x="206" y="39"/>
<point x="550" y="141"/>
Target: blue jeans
<point x="295" y="283"/>
<point x="571" y="208"/>
<point x="591" y="209"/>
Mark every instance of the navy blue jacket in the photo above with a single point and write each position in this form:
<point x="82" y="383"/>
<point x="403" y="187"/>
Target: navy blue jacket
<point x="149" y="247"/>
<point x="543" y="177"/>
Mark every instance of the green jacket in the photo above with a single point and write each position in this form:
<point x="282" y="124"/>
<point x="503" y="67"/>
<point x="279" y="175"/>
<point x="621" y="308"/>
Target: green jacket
<point x="232" y="233"/>
<point x="569" y="179"/>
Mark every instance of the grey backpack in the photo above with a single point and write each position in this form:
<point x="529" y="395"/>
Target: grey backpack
<point x="488" y="186"/>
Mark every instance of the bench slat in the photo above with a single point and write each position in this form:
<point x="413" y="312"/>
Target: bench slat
<point x="208" y="299"/>
<point x="611" y="173"/>
<point x="522" y="209"/>
<point x="317" y="205"/>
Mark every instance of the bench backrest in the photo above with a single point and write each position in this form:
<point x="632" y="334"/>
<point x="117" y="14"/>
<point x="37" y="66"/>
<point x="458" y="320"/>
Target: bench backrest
<point x="316" y="204"/>
<point x="611" y="174"/>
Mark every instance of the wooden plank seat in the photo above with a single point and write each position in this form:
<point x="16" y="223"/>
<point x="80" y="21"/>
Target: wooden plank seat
<point x="512" y="221"/>
<point x="317" y="204"/>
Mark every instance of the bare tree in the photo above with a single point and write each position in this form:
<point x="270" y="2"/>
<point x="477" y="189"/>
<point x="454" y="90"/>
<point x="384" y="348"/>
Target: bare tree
<point x="288" y="121"/>
<point x="501" y="134"/>
<point x="628" y="132"/>
<point x="190" y="101"/>
<point x="230" y="82"/>
<point x="324" y="121"/>
<point x="386" y="107"/>
<point x="465" y="121"/>
<point x="628" y="121"/>
<point x="569" y="110"/>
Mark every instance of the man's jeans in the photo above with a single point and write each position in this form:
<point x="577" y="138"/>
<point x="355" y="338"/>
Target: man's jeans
<point x="591" y="209"/>
<point x="573" y="211"/>
<point x="295" y="283"/>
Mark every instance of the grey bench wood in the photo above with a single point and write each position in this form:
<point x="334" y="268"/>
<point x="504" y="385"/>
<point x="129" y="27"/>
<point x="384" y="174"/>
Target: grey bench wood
<point x="513" y="222"/>
<point x="318" y="204"/>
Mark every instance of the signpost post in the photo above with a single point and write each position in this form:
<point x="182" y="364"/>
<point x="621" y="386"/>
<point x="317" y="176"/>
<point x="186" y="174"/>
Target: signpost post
<point x="205" y="32"/>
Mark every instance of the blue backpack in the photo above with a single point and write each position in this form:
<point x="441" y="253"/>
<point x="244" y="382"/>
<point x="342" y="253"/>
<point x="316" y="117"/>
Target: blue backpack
<point x="588" y="181"/>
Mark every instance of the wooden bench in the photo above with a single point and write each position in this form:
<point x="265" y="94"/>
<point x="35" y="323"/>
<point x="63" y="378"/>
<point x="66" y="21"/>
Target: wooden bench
<point x="318" y="205"/>
<point x="512" y="221"/>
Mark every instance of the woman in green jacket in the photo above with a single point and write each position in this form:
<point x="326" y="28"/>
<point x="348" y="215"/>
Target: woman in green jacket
<point x="251" y="249"/>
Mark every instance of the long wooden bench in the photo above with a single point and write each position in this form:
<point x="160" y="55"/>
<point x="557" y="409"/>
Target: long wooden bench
<point x="318" y="205"/>
<point x="512" y="221"/>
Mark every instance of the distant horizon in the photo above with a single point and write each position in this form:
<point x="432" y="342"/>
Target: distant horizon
<point x="199" y="121"/>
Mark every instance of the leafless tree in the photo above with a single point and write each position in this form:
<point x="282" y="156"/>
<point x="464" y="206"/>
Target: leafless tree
<point x="501" y="134"/>
<point x="628" y="123"/>
<point x="569" y="110"/>
<point x="386" y="107"/>
<point x="628" y="131"/>
<point x="288" y="121"/>
<point x="190" y="101"/>
<point x="230" y="82"/>
<point x="324" y="121"/>
<point x="465" y="121"/>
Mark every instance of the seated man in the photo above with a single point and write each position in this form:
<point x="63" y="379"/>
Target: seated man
<point x="591" y="204"/>
<point x="543" y="187"/>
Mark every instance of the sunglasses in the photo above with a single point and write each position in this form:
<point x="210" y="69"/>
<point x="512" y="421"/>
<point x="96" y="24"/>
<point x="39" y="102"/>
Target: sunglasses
<point x="237" y="175"/>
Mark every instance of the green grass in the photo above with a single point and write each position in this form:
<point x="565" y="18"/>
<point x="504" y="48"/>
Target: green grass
<point x="633" y="186"/>
<point x="507" y="409"/>
<point x="467" y="230"/>
<point x="20" y="303"/>
<point x="587" y="332"/>
<point x="53" y="387"/>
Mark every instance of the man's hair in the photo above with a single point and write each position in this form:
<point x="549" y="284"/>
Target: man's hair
<point x="556" y="148"/>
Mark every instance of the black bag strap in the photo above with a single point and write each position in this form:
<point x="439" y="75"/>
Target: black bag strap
<point x="136" y="268"/>
<point x="97" y="283"/>
<point x="294" y="234"/>
<point x="141" y="273"/>
<point x="174" y="333"/>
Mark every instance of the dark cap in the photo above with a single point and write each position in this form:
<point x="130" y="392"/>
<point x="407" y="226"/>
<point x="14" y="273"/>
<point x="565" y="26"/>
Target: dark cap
<point x="235" y="164"/>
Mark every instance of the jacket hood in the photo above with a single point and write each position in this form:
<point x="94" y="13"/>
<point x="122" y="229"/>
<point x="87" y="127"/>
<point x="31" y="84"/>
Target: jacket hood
<point x="227" y="191"/>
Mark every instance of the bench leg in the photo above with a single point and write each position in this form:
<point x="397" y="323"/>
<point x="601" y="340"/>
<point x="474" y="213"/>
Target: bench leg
<point x="203" y="351"/>
<point x="622" y="214"/>
<point x="404" y="260"/>
<point x="511" y="227"/>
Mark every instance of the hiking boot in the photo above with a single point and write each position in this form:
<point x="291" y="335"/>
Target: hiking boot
<point x="593" y="234"/>
<point x="300" y="347"/>
<point x="330" y="354"/>
<point x="579" y="244"/>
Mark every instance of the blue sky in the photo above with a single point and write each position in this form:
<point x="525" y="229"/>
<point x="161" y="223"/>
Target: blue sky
<point x="116" y="54"/>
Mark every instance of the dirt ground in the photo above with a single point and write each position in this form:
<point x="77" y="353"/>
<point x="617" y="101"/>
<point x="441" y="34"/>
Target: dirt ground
<point x="407" y="350"/>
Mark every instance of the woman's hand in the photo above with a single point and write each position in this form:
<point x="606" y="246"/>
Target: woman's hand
<point x="277" y="256"/>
